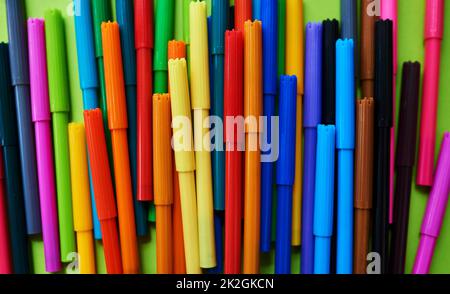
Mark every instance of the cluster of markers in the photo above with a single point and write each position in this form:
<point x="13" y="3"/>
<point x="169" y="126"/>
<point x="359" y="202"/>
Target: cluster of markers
<point x="97" y="179"/>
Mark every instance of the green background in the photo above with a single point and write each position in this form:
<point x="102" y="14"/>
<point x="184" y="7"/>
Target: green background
<point x="410" y="47"/>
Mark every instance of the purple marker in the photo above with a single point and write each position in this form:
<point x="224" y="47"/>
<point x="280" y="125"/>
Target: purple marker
<point x="434" y="215"/>
<point x="40" y="113"/>
<point x="311" y="119"/>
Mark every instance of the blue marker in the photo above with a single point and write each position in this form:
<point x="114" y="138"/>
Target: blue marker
<point x="285" y="173"/>
<point x="324" y="198"/>
<point x="125" y="18"/>
<point x="256" y="7"/>
<point x="87" y="71"/>
<point x="345" y="145"/>
<point x="349" y="25"/>
<point x="269" y="17"/>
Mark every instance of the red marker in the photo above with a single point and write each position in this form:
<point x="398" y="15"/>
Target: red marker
<point x="242" y="13"/>
<point x="143" y="18"/>
<point x="5" y="249"/>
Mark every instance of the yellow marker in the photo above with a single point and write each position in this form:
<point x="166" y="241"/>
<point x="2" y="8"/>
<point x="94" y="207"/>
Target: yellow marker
<point x="81" y="200"/>
<point x="199" y="69"/>
<point x="184" y="160"/>
<point x="294" y="66"/>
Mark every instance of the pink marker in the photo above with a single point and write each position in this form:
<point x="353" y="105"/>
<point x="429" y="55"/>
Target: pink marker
<point x="40" y="112"/>
<point x="434" y="215"/>
<point x="389" y="11"/>
<point x="434" y="29"/>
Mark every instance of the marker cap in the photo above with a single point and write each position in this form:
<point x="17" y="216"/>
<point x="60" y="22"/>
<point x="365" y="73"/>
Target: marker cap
<point x="98" y="158"/>
<point x="288" y="118"/>
<point x="219" y="16"/>
<point x="176" y="49"/>
<point x="324" y="187"/>
<point x="101" y="12"/>
<point x="125" y="19"/>
<point x="437" y="202"/>
<point x="434" y="19"/>
<point x="269" y="17"/>
<point x="57" y="62"/>
<point x="409" y="104"/>
<point x="8" y="129"/>
<point x="312" y="107"/>
<point x="181" y="109"/>
<point x="115" y="88"/>
<point x="87" y="65"/>
<point x="162" y="150"/>
<point x="40" y="105"/>
<point x="345" y="95"/>
<point x="199" y="57"/>
<point x="17" y="34"/>
<point x="143" y="23"/>
<point x="233" y="79"/>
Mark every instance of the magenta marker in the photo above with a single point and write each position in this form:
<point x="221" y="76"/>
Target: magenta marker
<point x="40" y="113"/>
<point x="434" y="215"/>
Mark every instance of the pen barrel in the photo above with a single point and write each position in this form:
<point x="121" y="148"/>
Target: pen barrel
<point x="190" y="222"/>
<point x="86" y="252"/>
<point x="367" y="73"/>
<point x="294" y="52"/>
<point x="252" y="200"/>
<point x="204" y="190"/>
<point x="5" y="249"/>
<point x="344" y="264"/>
<point x="46" y="176"/>
<point x="434" y="19"/>
<point x="381" y="195"/>
<point x="124" y="198"/>
<point x="60" y="121"/>
<point x="111" y="246"/>
<point x="424" y="256"/>
<point x="284" y="230"/>
<point x="101" y="12"/>
<point x="242" y="13"/>
<point x="233" y="208"/>
<point x="161" y="81"/>
<point x="164" y="16"/>
<point x="143" y="23"/>
<point x="179" y="264"/>
<point x="322" y="249"/>
<point x="363" y="218"/>
<point x="330" y="36"/>
<point x="164" y="243"/>
<point x="144" y="125"/>
<point x="427" y="142"/>
<point x="349" y="30"/>
<point x="400" y="220"/>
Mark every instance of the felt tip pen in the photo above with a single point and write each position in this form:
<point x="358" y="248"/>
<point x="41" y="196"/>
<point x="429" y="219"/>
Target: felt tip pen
<point x="87" y="73"/>
<point x="233" y="107"/>
<point x="406" y="155"/>
<point x="383" y="124"/>
<point x="294" y="66"/>
<point x="143" y="23"/>
<point x="58" y="84"/>
<point x="40" y="114"/>
<point x="349" y="26"/>
<point x="242" y="13"/>
<point x="118" y="125"/>
<point x="269" y="18"/>
<point x="15" y="207"/>
<point x="285" y="173"/>
<point x="389" y="10"/>
<point x="345" y="145"/>
<point x="330" y="33"/>
<point x="163" y="182"/>
<point x="125" y="19"/>
<point x="253" y="95"/>
<point x="81" y="203"/>
<point x="5" y="248"/>
<point x="312" y="107"/>
<point x="164" y="15"/>
<point x="20" y="77"/>
<point x="434" y="31"/>
<point x="185" y="162"/>
<point x="200" y="92"/>
<point x="177" y="49"/>
<point x="434" y="215"/>
<point x="324" y="198"/>
<point x="219" y="22"/>
<point x="103" y="189"/>
<point x="365" y="112"/>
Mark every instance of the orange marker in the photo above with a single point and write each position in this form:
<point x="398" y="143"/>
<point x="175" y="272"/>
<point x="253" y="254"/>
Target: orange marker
<point x="163" y="181"/>
<point x="177" y="49"/>
<point x="253" y="98"/>
<point x="118" y="124"/>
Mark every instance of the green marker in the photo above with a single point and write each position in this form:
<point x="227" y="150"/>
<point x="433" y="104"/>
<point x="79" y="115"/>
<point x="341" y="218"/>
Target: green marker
<point x="186" y="35"/>
<point x="101" y="12"/>
<point x="164" y="27"/>
<point x="179" y="22"/>
<point x="60" y="109"/>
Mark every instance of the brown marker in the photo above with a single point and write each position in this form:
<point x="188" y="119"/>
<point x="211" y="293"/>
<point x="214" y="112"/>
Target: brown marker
<point x="367" y="50"/>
